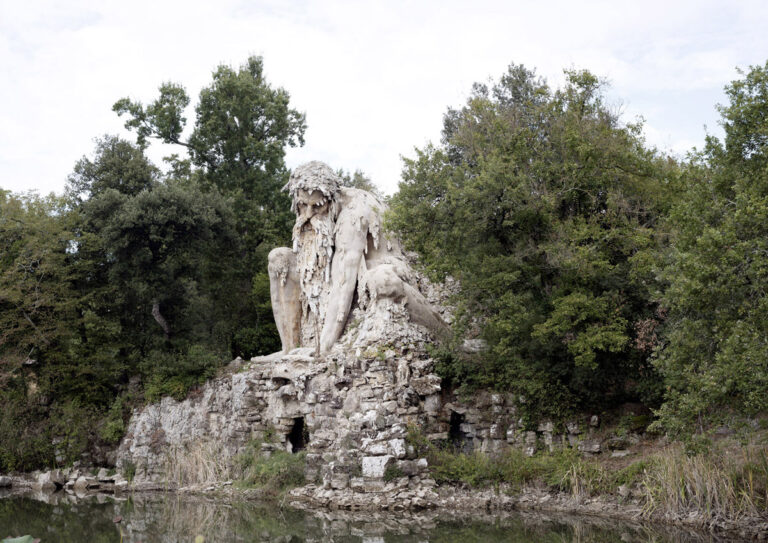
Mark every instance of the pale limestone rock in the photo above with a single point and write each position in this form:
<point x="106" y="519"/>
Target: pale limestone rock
<point x="374" y="467"/>
<point x="397" y="448"/>
<point x="45" y="483"/>
<point x="81" y="484"/>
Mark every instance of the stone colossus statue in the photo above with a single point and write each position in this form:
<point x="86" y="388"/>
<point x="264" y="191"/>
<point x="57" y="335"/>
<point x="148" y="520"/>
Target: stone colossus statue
<point x="339" y="250"/>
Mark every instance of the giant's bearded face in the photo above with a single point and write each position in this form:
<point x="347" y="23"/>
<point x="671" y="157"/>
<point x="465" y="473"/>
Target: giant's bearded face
<point x="309" y="204"/>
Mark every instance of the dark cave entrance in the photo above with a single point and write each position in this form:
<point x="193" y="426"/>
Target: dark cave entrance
<point x="458" y="439"/>
<point x="298" y="437"/>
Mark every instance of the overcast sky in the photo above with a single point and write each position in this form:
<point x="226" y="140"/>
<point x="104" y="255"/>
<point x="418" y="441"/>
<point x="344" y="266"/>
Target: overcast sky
<point x="374" y="78"/>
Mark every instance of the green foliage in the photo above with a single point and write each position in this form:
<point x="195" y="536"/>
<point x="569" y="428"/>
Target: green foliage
<point x="135" y="273"/>
<point x="392" y="472"/>
<point x="113" y="426"/>
<point x="129" y="471"/>
<point x="714" y="359"/>
<point x="563" y="470"/>
<point x="358" y="180"/>
<point x="543" y="206"/>
<point x="274" y="474"/>
<point x="236" y="148"/>
<point x="173" y="374"/>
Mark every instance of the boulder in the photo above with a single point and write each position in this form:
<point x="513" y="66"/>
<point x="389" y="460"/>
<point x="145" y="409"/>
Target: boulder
<point x="45" y="482"/>
<point x="590" y="446"/>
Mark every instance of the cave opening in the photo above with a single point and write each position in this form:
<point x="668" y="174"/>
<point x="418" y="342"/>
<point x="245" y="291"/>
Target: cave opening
<point x="458" y="439"/>
<point x="298" y="436"/>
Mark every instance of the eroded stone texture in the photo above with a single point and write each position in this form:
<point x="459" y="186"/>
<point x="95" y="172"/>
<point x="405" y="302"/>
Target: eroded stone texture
<point x="357" y="404"/>
<point x="341" y="258"/>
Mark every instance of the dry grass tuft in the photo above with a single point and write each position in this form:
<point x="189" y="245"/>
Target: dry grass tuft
<point x="197" y="463"/>
<point x="721" y="484"/>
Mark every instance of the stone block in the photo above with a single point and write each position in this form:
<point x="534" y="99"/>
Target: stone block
<point x="426" y="386"/>
<point x="573" y="427"/>
<point x="591" y="446"/>
<point x="375" y="448"/>
<point x="497" y="431"/>
<point x="339" y="481"/>
<point x="374" y="467"/>
<point x="467" y="429"/>
<point x="45" y="482"/>
<point x="546" y="427"/>
<point x="397" y="448"/>
<point x="5" y="481"/>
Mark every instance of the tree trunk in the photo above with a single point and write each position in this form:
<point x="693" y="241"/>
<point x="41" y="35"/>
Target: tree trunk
<point x="160" y="319"/>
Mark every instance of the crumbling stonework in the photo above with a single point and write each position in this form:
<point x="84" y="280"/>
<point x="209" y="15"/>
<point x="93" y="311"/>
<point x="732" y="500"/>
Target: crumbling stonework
<point x="354" y="407"/>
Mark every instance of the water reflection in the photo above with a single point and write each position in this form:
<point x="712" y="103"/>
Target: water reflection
<point x="170" y="518"/>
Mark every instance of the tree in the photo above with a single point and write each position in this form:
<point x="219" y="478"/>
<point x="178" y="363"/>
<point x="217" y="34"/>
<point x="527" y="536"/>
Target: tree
<point x="359" y="180"/>
<point x="237" y="147"/>
<point x="715" y="358"/>
<point x="539" y="202"/>
<point x="35" y="295"/>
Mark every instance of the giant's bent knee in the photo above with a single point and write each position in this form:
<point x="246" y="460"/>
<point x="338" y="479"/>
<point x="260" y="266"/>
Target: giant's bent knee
<point x="282" y="262"/>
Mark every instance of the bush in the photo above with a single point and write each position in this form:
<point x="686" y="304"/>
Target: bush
<point x="113" y="426"/>
<point x="274" y="474"/>
<point x="173" y="374"/>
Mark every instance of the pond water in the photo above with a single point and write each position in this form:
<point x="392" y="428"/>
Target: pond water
<point x="171" y="518"/>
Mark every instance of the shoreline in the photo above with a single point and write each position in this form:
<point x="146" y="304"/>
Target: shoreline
<point x="437" y="500"/>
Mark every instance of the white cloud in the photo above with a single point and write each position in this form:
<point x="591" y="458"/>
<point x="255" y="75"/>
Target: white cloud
<point x="374" y="77"/>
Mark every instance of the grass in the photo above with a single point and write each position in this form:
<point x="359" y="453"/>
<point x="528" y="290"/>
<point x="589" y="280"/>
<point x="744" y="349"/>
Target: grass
<point x="196" y="464"/>
<point x="724" y="484"/>
<point x="721" y="483"/>
<point x="274" y="474"/>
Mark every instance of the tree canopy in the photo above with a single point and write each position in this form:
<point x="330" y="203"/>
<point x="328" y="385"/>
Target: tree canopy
<point x="539" y="202"/>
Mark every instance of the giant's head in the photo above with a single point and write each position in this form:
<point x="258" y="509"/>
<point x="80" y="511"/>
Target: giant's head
<point x="313" y="188"/>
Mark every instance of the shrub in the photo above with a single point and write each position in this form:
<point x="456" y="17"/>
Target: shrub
<point x="173" y="374"/>
<point x="274" y="474"/>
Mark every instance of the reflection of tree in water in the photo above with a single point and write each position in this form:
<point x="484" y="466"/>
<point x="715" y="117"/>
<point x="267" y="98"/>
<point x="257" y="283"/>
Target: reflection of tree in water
<point x="171" y="518"/>
<point x="59" y="520"/>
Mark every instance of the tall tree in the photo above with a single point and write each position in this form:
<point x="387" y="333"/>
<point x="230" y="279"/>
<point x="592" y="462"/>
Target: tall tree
<point x="539" y="201"/>
<point x="237" y="146"/>
<point x="715" y="357"/>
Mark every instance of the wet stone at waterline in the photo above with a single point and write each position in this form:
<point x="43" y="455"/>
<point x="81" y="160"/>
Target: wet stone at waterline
<point x="173" y="519"/>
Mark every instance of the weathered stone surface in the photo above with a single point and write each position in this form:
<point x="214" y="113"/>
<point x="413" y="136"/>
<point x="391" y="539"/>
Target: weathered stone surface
<point x="81" y="484"/>
<point x="5" y="481"/>
<point x="374" y="467"/>
<point x="591" y="446"/>
<point x="351" y="409"/>
<point x="397" y="448"/>
<point x="341" y="258"/>
<point x="49" y="481"/>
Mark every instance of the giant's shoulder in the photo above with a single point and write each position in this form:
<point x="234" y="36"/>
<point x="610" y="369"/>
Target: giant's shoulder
<point x="360" y="201"/>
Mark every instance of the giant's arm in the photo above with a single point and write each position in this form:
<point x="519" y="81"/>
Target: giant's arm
<point x="350" y="240"/>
